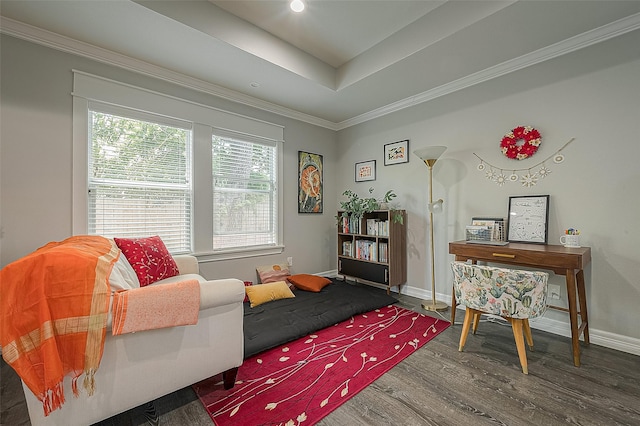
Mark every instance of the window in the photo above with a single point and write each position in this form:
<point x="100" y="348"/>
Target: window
<point x="139" y="179"/>
<point x="145" y="163"/>
<point x="244" y="194"/>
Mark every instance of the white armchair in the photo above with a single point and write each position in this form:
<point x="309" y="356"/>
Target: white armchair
<point x="139" y="367"/>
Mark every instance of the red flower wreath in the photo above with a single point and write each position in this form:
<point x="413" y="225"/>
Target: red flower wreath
<point x="530" y="136"/>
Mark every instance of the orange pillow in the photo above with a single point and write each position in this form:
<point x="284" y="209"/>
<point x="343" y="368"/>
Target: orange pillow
<point x="309" y="282"/>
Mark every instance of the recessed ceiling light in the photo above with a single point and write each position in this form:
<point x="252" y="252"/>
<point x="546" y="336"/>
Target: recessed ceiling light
<point x="297" y="5"/>
<point x="254" y="84"/>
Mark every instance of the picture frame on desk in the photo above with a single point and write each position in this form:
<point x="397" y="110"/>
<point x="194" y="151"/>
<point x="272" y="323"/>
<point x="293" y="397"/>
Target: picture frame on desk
<point x="528" y="219"/>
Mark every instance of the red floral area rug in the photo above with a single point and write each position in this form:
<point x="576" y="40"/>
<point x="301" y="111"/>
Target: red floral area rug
<point x="303" y="381"/>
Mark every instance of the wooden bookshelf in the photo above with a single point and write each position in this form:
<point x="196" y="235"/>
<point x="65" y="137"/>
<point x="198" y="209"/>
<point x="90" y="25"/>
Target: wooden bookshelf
<point x="373" y="249"/>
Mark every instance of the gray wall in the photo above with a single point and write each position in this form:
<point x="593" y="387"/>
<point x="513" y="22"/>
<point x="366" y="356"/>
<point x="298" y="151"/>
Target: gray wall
<point x="36" y="155"/>
<point x="592" y="95"/>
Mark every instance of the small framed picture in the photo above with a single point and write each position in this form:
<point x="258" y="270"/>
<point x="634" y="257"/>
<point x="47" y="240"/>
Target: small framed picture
<point x="365" y="171"/>
<point x="396" y="152"/>
<point x="528" y="218"/>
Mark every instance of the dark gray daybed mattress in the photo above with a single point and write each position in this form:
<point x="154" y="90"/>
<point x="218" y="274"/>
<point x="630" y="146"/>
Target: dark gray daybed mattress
<point x="281" y="321"/>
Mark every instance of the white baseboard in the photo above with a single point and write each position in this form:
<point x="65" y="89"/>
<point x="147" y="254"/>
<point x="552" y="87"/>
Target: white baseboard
<point x="597" y="337"/>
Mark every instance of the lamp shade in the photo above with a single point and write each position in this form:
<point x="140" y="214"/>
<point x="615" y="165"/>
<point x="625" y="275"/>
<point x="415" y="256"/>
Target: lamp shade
<point x="430" y="153"/>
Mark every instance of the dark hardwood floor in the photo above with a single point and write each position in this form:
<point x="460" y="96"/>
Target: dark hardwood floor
<point x="438" y="385"/>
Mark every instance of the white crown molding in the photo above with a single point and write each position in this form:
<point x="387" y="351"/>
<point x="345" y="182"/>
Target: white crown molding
<point x="564" y="47"/>
<point x="66" y="44"/>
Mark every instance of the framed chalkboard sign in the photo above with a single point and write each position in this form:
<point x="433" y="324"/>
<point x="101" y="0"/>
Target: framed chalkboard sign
<point x="528" y="219"/>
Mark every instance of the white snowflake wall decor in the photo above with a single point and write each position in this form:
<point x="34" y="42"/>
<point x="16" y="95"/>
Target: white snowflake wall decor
<point x="527" y="177"/>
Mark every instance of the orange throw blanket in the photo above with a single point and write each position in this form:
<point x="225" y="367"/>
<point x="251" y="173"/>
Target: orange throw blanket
<point x="53" y="314"/>
<point x="156" y="306"/>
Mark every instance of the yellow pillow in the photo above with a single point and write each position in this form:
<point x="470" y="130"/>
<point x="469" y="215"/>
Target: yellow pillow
<point x="263" y="293"/>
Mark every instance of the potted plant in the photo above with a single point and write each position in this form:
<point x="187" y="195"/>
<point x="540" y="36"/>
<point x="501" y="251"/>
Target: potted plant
<point x="356" y="207"/>
<point x="386" y="200"/>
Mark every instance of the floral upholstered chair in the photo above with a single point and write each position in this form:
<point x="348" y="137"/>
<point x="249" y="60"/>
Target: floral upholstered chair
<point x="512" y="294"/>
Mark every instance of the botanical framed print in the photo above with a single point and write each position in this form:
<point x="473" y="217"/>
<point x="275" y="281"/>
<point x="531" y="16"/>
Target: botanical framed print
<point x="396" y="152"/>
<point x="365" y="171"/>
<point x="310" y="189"/>
<point x="528" y="219"/>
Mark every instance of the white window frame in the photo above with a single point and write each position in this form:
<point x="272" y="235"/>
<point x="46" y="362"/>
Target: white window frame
<point x="206" y="121"/>
<point x="274" y="192"/>
<point x="186" y="188"/>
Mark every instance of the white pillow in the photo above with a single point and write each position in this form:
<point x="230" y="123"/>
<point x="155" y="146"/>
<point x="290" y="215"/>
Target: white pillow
<point x="123" y="277"/>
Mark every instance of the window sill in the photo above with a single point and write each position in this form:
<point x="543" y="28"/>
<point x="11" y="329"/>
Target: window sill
<point x="204" y="257"/>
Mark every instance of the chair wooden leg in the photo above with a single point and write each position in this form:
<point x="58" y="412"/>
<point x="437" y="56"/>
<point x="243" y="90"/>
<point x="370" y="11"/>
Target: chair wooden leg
<point x="476" y="321"/>
<point x="527" y="333"/>
<point x="516" y="325"/>
<point x="465" y="328"/>
<point x="454" y="305"/>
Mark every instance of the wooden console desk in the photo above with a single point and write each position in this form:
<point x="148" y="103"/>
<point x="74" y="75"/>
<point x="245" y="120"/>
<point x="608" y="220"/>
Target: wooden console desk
<point x="569" y="262"/>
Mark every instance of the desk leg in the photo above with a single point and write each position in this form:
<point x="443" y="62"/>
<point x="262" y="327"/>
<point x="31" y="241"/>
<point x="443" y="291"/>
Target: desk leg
<point x="582" y="297"/>
<point x="573" y="315"/>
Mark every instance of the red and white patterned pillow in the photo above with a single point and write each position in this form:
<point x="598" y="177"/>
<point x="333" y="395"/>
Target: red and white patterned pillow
<point x="247" y="284"/>
<point x="149" y="257"/>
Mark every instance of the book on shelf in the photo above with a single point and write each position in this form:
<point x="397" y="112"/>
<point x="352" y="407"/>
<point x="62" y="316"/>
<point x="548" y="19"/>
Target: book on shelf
<point x="344" y="225"/>
<point x="366" y="250"/>
<point x="383" y="228"/>
<point x="372" y="226"/>
<point x="347" y="248"/>
<point x="350" y="225"/>
<point x="354" y="225"/>
<point x="383" y="253"/>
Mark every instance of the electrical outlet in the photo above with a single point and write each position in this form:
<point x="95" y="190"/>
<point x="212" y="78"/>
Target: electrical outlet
<point x="554" y="291"/>
<point x="290" y="261"/>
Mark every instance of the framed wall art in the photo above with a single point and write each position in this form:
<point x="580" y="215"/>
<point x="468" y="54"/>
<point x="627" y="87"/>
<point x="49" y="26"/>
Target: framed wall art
<point x="396" y="152"/>
<point x="365" y="171"/>
<point x="528" y="219"/>
<point x="310" y="189"/>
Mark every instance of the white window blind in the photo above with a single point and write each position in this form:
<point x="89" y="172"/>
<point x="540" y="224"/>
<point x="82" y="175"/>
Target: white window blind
<point x="140" y="177"/>
<point x="245" y="198"/>
<point x="141" y="157"/>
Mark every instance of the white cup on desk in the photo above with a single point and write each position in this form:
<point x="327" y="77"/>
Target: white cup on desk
<point x="570" y="240"/>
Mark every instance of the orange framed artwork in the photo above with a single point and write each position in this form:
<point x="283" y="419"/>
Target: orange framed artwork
<point x="310" y="189"/>
<point x="365" y="171"/>
<point x="396" y="152"/>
